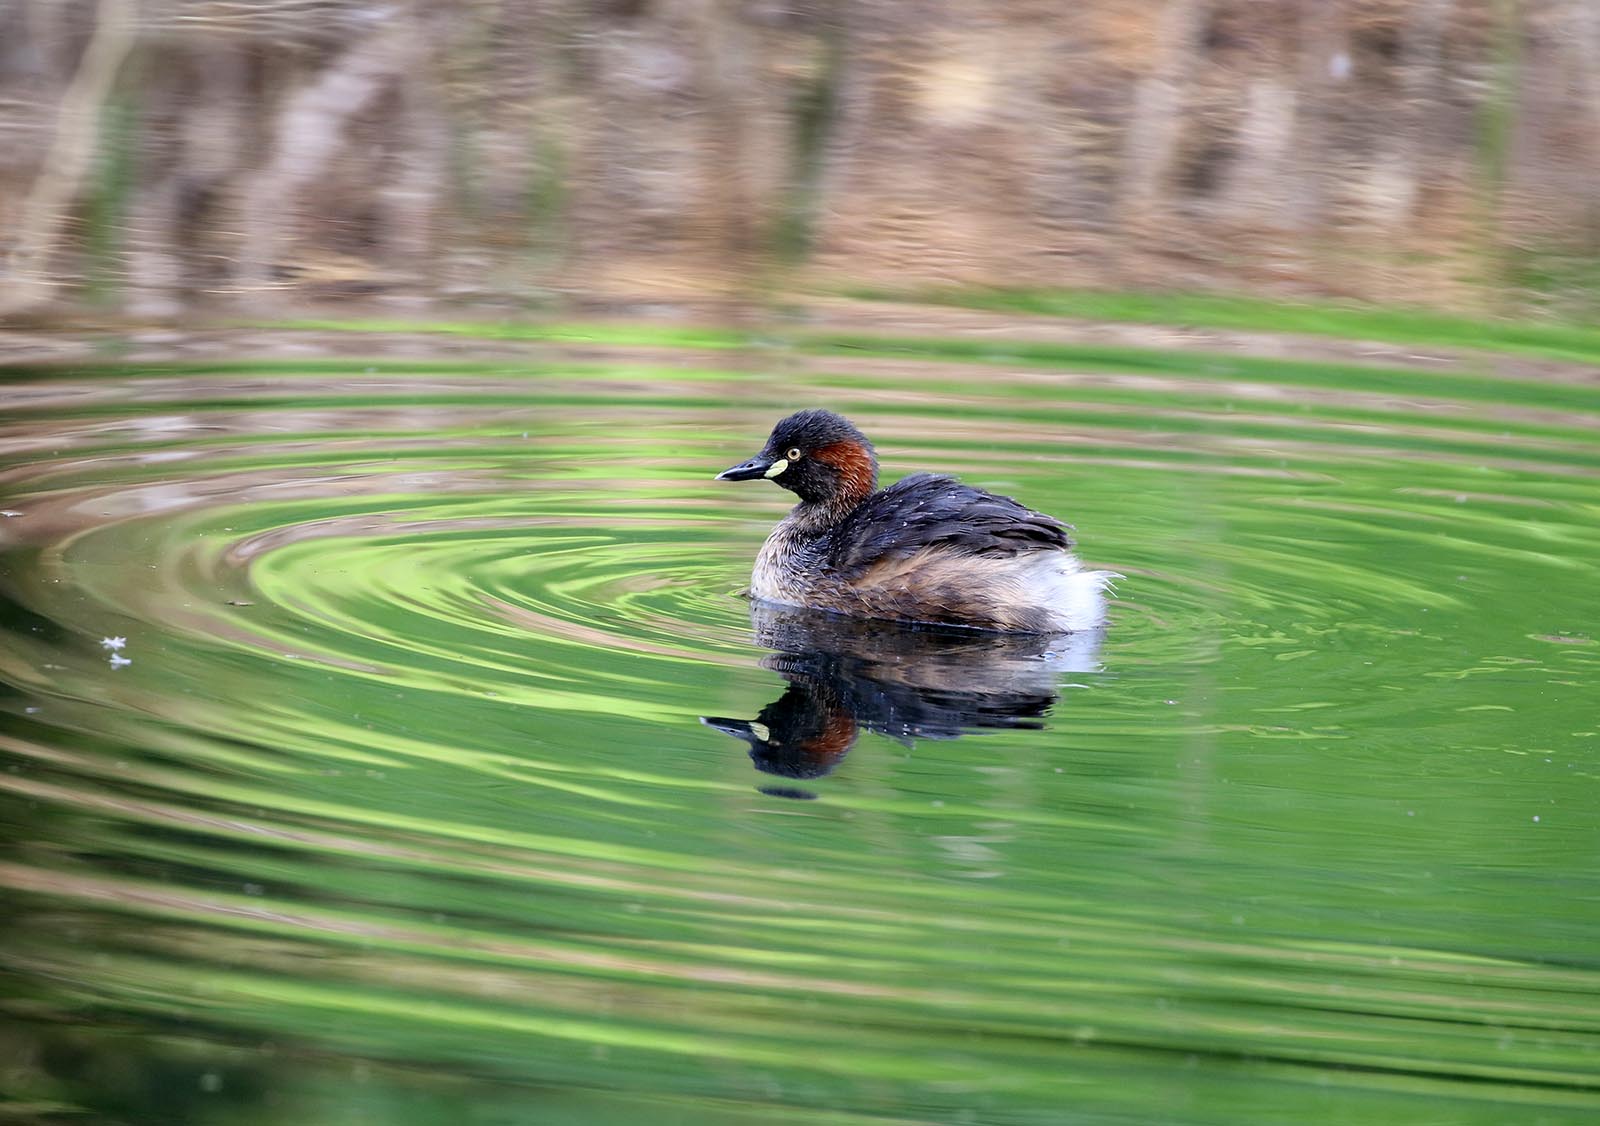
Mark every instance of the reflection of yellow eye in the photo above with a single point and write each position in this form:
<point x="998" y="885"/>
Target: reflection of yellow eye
<point x="793" y="454"/>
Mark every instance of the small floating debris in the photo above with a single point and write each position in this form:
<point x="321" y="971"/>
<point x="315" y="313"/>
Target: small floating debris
<point x="240" y="602"/>
<point x="118" y="660"/>
<point x="9" y="512"/>
<point x="113" y="643"/>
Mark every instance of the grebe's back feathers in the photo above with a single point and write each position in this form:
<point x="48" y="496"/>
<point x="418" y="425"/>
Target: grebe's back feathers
<point x="930" y="510"/>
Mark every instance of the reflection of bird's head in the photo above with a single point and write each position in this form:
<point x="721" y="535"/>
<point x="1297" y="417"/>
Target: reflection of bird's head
<point x="846" y="675"/>
<point x="802" y="734"/>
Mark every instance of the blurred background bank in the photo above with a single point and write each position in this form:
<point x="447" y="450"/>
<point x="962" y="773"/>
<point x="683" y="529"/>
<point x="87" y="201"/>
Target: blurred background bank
<point x="161" y="157"/>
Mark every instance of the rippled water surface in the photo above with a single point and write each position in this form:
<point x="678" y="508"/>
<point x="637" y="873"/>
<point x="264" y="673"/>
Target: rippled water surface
<point x="449" y="780"/>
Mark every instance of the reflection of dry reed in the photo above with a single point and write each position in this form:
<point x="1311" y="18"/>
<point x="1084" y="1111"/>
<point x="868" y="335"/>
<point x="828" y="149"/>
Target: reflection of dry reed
<point x="184" y="151"/>
<point x="59" y="179"/>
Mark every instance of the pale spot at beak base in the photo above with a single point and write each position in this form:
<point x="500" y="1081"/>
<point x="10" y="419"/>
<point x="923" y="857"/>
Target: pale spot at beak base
<point x="777" y="467"/>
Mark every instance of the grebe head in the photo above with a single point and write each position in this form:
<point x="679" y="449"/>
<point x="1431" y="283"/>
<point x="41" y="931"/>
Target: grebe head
<point x="818" y="456"/>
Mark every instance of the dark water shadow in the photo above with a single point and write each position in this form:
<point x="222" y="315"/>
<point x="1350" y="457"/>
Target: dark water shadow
<point x="846" y="675"/>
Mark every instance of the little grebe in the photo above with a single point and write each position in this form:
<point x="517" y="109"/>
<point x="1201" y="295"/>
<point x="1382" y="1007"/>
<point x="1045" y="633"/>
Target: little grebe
<point x="926" y="549"/>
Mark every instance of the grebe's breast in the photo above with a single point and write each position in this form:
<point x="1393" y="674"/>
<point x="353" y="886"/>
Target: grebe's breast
<point x="788" y="566"/>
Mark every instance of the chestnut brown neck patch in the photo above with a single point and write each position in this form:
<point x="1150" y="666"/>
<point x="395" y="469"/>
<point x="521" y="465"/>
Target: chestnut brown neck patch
<point x="838" y="733"/>
<point x="857" y="475"/>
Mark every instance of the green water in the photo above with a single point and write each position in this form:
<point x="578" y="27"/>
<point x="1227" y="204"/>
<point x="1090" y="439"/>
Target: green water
<point x="405" y="810"/>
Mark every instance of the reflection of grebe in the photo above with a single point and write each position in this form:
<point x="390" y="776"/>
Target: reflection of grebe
<point x="903" y="681"/>
<point x="926" y="549"/>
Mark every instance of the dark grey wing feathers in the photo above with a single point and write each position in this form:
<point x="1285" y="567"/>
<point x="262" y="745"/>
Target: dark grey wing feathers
<point x="926" y="509"/>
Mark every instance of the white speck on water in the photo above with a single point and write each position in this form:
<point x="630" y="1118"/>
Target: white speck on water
<point x="1536" y="817"/>
<point x="9" y="512"/>
<point x="118" y="661"/>
<point x="937" y="804"/>
<point x="113" y="643"/>
<point x="1411" y="813"/>
<point x="35" y="711"/>
<point x="211" y="1082"/>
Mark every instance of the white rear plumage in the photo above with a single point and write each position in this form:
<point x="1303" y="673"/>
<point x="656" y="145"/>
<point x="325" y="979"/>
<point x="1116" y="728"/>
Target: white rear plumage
<point x="1075" y="598"/>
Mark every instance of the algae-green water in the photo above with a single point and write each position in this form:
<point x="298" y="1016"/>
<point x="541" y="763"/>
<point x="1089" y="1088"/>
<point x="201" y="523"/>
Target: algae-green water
<point x="442" y="775"/>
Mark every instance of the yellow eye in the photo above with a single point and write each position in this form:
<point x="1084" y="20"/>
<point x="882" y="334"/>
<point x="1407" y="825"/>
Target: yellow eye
<point x="793" y="454"/>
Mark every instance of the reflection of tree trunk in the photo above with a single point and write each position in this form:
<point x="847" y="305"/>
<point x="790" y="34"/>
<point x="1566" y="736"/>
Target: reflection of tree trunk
<point x="728" y="206"/>
<point x="1586" y="46"/>
<point x="309" y="129"/>
<point x="1157" y="122"/>
<point x="27" y="283"/>
<point x="1324" y="59"/>
<point x="810" y="123"/>
<point x="1395" y="180"/>
<point x="1259" y="177"/>
<point x="1551" y="165"/>
<point x="1512" y="154"/>
<point x="409" y="201"/>
<point x="155" y="272"/>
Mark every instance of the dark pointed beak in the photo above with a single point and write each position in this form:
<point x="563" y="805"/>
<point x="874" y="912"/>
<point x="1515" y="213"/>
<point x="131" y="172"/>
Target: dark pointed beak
<point x="752" y="470"/>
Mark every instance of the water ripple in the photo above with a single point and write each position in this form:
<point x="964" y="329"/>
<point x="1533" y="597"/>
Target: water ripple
<point x="423" y="755"/>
